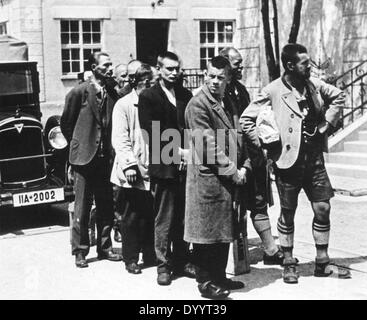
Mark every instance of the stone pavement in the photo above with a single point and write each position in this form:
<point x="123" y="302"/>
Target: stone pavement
<point x="38" y="265"/>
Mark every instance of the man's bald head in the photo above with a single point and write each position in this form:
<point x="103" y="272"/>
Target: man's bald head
<point x="120" y="73"/>
<point x="235" y="59"/>
<point x="132" y="67"/>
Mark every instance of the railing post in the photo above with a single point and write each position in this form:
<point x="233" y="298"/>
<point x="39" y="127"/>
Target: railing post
<point x="352" y="95"/>
<point x="362" y="96"/>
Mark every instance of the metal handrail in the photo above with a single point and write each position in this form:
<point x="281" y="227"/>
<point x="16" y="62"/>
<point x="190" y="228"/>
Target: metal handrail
<point x="345" y="74"/>
<point x="353" y="83"/>
<point x="193" y="78"/>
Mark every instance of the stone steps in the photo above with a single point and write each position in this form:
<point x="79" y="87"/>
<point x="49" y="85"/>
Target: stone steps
<point x="355" y="146"/>
<point x="347" y="170"/>
<point x="350" y="158"/>
<point x="362" y="135"/>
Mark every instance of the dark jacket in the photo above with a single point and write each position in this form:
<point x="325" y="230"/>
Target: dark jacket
<point x="241" y="98"/>
<point x="210" y="191"/>
<point x="81" y="123"/>
<point x="154" y="106"/>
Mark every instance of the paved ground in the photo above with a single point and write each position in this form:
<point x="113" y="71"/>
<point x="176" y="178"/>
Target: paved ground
<point x="36" y="264"/>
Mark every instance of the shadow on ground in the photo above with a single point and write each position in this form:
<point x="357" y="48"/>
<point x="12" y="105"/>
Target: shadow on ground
<point x="263" y="276"/>
<point x="17" y="220"/>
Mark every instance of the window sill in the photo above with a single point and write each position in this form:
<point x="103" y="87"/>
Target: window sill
<point x="69" y="77"/>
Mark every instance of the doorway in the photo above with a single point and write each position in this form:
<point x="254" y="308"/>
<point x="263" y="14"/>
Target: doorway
<point x="151" y="39"/>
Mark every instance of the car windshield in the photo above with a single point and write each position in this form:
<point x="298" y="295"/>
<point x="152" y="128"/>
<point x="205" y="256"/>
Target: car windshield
<point x="13" y="82"/>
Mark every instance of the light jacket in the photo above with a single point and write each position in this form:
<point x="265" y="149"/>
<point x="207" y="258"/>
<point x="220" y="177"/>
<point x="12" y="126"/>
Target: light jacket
<point x="328" y="101"/>
<point x="128" y="142"/>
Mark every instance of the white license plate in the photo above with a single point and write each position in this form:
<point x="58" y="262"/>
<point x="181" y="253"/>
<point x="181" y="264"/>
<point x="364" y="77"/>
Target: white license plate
<point x="38" y="197"/>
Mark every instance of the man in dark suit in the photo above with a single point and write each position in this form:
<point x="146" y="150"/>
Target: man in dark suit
<point x="163" y="106"/>
<point x="259" y="194"/>
<point x="86" y="124"/>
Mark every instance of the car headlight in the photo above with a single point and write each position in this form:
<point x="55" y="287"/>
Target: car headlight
<point x="57" y="139"/>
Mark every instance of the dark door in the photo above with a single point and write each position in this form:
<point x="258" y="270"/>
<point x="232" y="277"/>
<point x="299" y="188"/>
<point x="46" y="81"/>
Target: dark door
<point x="151" y="39"/>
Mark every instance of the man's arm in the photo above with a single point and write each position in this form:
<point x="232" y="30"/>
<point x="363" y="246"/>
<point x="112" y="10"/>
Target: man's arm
<point x="146" y="115"/>
<point x="334" y="98"/>
<point x="249" y="116"/>
<point x="121" y="141"/>
<point x="205" y="146"/>
<point x="70" y="114"/>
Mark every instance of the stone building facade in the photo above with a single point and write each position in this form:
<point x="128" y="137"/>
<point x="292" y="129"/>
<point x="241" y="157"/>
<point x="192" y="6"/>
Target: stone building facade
<point x="60" y="33"/>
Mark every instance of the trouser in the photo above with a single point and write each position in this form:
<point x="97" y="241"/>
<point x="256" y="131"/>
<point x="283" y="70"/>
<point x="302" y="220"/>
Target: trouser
<point x="119" y="207"/>
<point x="169" y="209"/>
<point x="308" y="173"/>
<point x="137" y="226"/>
<point x="92" y="179"/>
<point x="211" y="261"/>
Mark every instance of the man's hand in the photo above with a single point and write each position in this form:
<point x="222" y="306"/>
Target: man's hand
<point x="184" y="154"/>
<point x="239" y="178"/>
<point x="131" y="175"/>
<point x="323" y="127"/>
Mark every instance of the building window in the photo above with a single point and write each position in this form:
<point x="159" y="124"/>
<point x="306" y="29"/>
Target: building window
<point x="79" y="38"/>
<point x="214" y="36"/>
<point x="3" y="28"/>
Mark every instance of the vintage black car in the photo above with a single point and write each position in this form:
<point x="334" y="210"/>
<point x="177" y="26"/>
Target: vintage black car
<point x="33" y="158"/>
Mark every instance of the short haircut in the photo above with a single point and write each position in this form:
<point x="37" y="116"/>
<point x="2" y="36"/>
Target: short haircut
<point x="289" y="53"/>
<point x="94" y="57"/>
<point x="220" y="62"/>
<point x="167" y="55"/>
<point x="144" y="72"/>
<point x="225" y="52"/>
<point x="133" y="65"/>
<point x="120" y="66"/>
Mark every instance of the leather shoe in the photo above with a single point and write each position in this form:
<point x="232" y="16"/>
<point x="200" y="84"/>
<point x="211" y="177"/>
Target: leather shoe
<point x="188" y="271"/>
<point x="164" y="279"/>
<point x="212" y="291"/>
<point x="149" y="263"/>
<point x="229" y="284"/>
<point x="290" y="274"/>
<point x="133" y="268"/>
<point x="110" y="255"/>
<point x="80" y="260"/>
<point x="327" y="269"/>
<point x="276" y="259"/>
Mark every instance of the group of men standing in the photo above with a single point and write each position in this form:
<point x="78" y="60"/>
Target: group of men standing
<point x="167" y="205"/>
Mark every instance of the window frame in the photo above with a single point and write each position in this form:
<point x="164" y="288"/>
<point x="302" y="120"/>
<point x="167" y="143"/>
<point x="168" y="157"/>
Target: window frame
<point x="3" y="28"/>
<point x="80" y="45"/>
<point x="215" y="45"/>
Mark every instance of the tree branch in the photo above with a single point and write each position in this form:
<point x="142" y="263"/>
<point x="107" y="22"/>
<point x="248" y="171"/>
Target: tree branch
<point x="270" y="59"/>
<point x="276" y="38"/>
<point x="296" y="22"/>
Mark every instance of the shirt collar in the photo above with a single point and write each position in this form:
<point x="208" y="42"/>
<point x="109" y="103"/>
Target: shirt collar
<point x="134" y="97"/>
<point x="299" y="96"/>
<point x="97" y="86"/>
